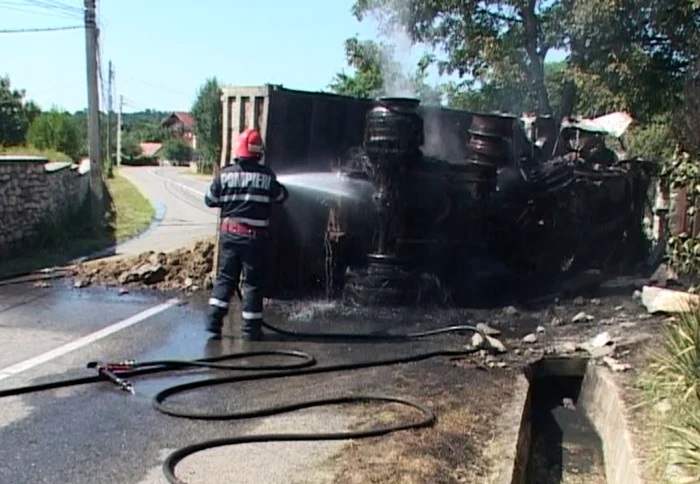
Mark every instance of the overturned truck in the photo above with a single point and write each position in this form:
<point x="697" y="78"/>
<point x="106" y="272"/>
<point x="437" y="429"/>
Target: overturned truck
<point x="464" y="208"/>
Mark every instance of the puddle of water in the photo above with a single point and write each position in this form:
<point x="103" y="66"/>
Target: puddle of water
<point x="312" y="310"/>
<point x="189" y="340"/>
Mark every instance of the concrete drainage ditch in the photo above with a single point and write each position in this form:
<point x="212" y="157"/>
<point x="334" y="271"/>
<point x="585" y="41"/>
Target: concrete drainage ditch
<point x="571" y="427"/>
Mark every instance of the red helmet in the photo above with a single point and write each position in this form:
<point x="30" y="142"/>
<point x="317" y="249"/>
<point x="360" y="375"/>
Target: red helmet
<point x="250" y="145"/>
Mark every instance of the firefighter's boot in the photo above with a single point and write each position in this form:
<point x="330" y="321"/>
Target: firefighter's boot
<point x="215" y="320"/>
<point x="251" y="330"/>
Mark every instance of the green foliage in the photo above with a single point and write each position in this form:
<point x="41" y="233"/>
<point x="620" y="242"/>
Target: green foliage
<point x="207" y="112"/>
<point x="680" y="358"/>
<point x="621" y="56"/>
<point x="144" y="126"/>
<point x="177" y="150"/>
<point x="676" y="379"/>
<point x="130" y="146"/>
<point x="140" y="161"/>
<point x="378" y="73"/>
<point x="683" y="251"/>
<point x="684" y="172"/>
<point x="16" y="114"/>
<point x="51" y="155"/>
<point x="652" y="141"/>
<point x="686" y="122"/>
<point x="366" y="58"/>
<point x="56" y="130"/>
<point x="509" y="94"/>
<point x="144" y="132"/>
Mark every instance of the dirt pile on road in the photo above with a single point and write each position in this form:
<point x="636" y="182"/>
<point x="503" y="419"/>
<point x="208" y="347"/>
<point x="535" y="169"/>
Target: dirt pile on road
<point x="183" y="269"/>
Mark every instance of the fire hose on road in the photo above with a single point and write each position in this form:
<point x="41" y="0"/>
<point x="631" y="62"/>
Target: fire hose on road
<point x="301" y="364"/>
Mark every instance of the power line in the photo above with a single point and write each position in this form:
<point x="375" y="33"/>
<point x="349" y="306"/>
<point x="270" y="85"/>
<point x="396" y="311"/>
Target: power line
<point x="44" y="29"/>
<point x="45" y="9"/>
<point x="156" y="86"/>
<point x="26" y="9"/>
<point x="55" y="6"/>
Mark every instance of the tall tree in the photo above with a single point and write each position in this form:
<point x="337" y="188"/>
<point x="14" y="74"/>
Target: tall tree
<point x="56" y="130"/>
<point x="508" y="94"/>
<point x="687" y="119"/>
<point x="131" y="147"/>
<point x="207" y="112"/>
<point x="16" y="114"/>
<point x="612" y="44"/>
<point x="177" y="150"/>
<point x="378" y="73"/>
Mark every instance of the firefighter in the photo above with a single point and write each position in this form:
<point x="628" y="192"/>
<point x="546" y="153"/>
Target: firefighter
<point x="244" y="191"/>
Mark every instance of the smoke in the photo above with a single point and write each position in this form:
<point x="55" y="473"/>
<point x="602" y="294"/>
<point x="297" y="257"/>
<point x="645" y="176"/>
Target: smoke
<point x="396" y="54"/>
<point x="399" y="62"/>
<point x="397" y="65"/>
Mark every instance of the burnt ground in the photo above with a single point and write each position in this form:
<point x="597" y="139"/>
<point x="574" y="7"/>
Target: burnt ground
<point x="457" y="450"/>
<point x="471" y="394"/>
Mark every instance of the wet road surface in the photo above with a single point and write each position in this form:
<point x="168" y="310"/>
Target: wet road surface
<point x="95" y="433"/>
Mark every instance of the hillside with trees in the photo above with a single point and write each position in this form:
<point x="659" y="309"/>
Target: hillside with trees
<point x="22" y="123"/>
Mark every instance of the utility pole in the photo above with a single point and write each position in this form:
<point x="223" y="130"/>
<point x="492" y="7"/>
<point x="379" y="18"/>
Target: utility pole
<point x="110" y="110"/>
<point x="119" y="131"/>
<point x="95" y="145"/>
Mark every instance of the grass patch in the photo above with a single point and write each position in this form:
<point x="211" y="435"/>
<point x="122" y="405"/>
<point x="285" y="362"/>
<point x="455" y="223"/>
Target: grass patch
<point x="129" y="213"/>
<point x="673" y="379"/>
<point x="31" y="151"/>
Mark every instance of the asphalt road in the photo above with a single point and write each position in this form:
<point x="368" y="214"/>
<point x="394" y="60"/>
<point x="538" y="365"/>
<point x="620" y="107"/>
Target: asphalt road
<point x="182" y="216"/>
<point x="98" y="434"/>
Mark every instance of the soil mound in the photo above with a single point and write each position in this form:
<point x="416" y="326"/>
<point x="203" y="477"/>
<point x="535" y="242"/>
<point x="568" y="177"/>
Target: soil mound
<point x="187" y="269"/>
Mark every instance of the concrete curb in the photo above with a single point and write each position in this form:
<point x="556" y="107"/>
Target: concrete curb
<point x="600" y="400"/>
<point x="515" y="423"/>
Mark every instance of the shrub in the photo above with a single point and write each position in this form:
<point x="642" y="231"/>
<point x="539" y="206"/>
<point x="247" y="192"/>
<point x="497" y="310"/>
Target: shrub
<point x="51" y="155"/>
<point x="56" y="130"/>
<point x="678" y="378"/>
<point x="140" y="161"/>
<point x="652" y="141"/>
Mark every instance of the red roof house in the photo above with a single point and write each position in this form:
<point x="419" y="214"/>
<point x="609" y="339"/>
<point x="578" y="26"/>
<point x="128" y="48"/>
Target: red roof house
<point x="181" y="124"/>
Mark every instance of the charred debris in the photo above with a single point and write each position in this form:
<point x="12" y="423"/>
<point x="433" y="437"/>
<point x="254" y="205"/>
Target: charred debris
<point x="527" y="206"/>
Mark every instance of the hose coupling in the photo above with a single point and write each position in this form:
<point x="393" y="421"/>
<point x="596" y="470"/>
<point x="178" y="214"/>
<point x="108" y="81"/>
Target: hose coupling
<point x="122" y="366"/>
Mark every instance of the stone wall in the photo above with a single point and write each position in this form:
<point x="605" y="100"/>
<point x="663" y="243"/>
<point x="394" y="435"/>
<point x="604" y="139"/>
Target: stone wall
<point x="34" y="190"/>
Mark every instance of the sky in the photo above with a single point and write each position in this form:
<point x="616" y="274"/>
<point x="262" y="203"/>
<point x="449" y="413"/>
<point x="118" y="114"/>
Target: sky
<point x="162" y="51"/>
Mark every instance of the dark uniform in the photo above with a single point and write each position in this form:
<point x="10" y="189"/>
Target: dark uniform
<point x="244" y="191"/>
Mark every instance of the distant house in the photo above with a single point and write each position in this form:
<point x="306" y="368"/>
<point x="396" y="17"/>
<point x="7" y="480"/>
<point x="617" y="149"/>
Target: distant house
<point x="150" y="149"/>
<point x="181" y="125"/>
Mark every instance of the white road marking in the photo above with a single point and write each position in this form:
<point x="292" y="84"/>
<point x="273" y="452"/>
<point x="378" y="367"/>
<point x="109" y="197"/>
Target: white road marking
<point x="181" y="185"/>
<point x="85" y="340"/>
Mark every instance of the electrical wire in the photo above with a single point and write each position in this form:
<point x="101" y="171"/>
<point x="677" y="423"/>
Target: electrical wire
<point x="43" y="9"/>
<point x="56" y="6"/>
<point x="41" y="29"/>
<point x="150" y="84"/>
